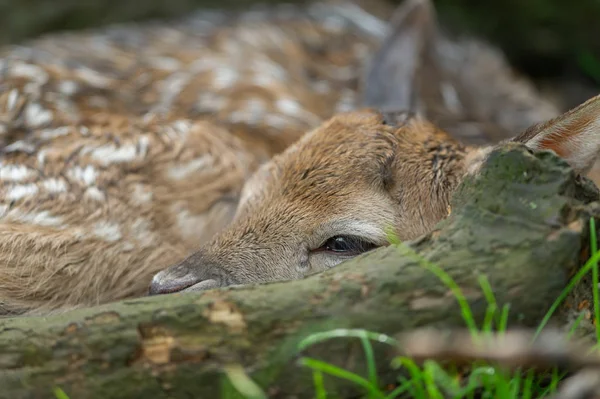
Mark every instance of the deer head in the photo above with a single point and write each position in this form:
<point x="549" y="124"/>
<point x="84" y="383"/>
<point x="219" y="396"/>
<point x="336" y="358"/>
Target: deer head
<point x="335" y="193"/>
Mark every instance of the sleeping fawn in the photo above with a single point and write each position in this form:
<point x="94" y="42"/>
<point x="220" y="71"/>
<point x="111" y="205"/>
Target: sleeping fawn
<point x="244" y="147"/>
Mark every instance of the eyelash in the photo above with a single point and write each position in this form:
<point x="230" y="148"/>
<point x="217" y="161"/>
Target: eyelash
<point x="346" y="245"/>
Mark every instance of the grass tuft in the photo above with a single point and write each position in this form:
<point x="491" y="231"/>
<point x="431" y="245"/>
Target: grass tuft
<point x="431" y="380"/>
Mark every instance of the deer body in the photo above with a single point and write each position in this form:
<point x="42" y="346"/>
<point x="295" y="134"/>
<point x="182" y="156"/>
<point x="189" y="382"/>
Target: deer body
<point x="127" y="149"/>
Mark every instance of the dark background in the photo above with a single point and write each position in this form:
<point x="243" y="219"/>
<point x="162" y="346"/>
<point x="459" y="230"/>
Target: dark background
<point x="557" y="42"/>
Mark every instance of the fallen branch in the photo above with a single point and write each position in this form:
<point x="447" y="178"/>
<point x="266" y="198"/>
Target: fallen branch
<point x="521" y="223"/>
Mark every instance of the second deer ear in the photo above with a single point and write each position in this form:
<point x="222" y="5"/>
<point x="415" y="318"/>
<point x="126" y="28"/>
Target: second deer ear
<point x="574" y="135"/>
<point x="393" y="77"/>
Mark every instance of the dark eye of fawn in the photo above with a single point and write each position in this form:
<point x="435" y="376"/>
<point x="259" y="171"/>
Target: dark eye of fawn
<point x="346" y="245"/>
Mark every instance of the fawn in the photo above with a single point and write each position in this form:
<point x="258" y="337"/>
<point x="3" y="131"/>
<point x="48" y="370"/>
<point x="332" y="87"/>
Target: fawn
<point x="127" y="148"/>
<point x="330" y="196"/>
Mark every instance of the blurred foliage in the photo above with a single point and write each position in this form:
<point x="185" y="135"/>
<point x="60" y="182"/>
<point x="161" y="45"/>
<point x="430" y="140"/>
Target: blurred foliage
<point x="546" y="38"/>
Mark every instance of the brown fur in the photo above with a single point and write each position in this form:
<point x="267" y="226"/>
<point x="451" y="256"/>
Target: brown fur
<point x="126" y="149"/>
<point x="405" y="176"/>
<point x="362" y="173"/>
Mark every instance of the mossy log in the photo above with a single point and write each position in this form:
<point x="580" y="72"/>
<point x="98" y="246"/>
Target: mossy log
<point x="521" y="223"/>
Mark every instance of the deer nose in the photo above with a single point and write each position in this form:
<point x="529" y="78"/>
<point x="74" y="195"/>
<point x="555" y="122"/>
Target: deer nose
<point x="165" y="282"/>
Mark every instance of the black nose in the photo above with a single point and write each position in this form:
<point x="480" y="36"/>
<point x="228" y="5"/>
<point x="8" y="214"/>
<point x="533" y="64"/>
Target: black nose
<point x="166" y="283"/>
<point x="195" y="273"/>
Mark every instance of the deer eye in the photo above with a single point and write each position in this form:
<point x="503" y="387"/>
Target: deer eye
<point x="346" y="245"/>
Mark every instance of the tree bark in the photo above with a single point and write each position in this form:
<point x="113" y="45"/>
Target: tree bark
<point x="520" y="222"/>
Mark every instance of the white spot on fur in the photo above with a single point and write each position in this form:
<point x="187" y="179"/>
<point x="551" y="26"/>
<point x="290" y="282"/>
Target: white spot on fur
<point x="143" y="145"/>
<point x="43" y="218"/>
<point x="263" y="80"/>
<point x="165" y="63"/>
<point x="346" y="102"/>
<point x="141" y="231"/>
<point x="92" y="77"/>
<point x="206" y="63"/>
<point x="20" y="146"/>
<point x="276" y="121"/>
<point x="19" y="192"/>
<point x="224" y="77"/>
<point x="128" y="247"/>
<point x="107" y="231"/>
<point x="210" y="102"/>
<point x="78" y="233"/>
<point x="108" y="154"/>
<point x="95" y="194"/>
<point x="170" y="89"/>
<point x="11" y="101"/>
<point x="141" y="195"/>
<point x="85" y="175"/>
<point x="182" y="171"/>
<point x="189" y="225"/>
<point x="41" y="157"/>
<point x="36" y="115"/>
<point x="31" y="72"/>
<point x="252" y="112"/>
<point x="182" y="126"/>
<point x="49" y="134"/>
<point x="67" y="87"/>
<point x="54" y="185"/>
<point x="15" y="173"/>
<point x="289" y="106"/>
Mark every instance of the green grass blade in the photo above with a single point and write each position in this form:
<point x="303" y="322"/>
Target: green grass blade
<point x="575" y="325"/>
<point x="339" y="372"/>
<point x="474" y="381"/>
<point x="416" y="376"/>
<point x="450" y="283"/>
<point x="500" y="385"/>
<point x="242" y="383"/>
<point x="527" y="384"/>
<point x="490" y="312"/>
<point x="554" y="381"/>
<point x="391" y="236"/>
<point x="345" y="333"/>
<point x="429" y="379"/>
<point x="503" y="323"/>
<point x="595" y="280"/>
<point x="371" y="367"/>
<point x="488" y="319"/>
<point x="582" y="272"/>
<point x="405" y="386"/>
<point x="516" y="385"/>
<point x="60" y="394"/>
<point x="442" y="379"/>
<point x="320" y="391"/>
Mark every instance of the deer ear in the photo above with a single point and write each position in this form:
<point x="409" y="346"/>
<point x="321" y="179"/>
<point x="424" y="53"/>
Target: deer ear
<point x="574" y="135"/>
<point x="392" y="79"/>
